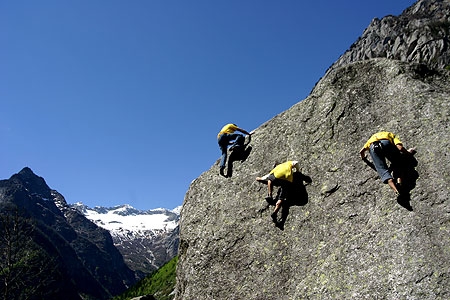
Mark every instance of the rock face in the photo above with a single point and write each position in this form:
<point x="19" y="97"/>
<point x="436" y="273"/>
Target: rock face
<point x="420" y="34"/>
<point x="348" y="238"/>
<point x="345" y="235"/>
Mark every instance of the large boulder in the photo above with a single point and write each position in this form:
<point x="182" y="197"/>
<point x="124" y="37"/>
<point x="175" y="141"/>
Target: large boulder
<point x="345" y="234"/>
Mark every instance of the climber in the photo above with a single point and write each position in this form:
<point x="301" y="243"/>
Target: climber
<point x="384" y="145"/>
<point x="281" y="175"/>
<point x="226" y="137"/>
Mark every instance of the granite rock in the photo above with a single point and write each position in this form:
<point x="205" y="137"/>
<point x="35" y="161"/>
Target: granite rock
<point x="345" y="235"/>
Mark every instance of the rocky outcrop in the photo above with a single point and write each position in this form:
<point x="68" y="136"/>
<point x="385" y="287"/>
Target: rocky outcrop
<point x="345" y="236"/>
<point x="420" y="34"/>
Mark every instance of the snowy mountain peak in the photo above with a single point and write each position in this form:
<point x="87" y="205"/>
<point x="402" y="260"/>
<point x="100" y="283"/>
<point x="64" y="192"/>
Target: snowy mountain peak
<point x="125" y="220"/>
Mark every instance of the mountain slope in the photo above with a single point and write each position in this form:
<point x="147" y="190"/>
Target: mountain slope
<point x="345" y="235"/>
<point x="88" y="264"/>
<point x="159" y="285"/>
<point x="146" y="239"/>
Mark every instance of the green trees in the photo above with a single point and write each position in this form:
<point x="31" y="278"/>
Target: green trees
<point x="160" y="284"/>
<point x="25" y="268"/>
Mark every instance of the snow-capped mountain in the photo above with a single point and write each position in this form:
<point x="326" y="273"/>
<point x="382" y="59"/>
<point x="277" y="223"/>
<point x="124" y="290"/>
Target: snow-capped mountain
<point x="124" y="219"/>
<point x="147" y="239"/>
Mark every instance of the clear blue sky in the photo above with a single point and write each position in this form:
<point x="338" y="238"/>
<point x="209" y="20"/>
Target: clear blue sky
<point x="119" y="102"/>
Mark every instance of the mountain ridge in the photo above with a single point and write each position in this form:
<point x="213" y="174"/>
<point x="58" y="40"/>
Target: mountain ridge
<point x="84" y="261"/>
<point x="97" y="242"/>
<point x="420" y="34"/>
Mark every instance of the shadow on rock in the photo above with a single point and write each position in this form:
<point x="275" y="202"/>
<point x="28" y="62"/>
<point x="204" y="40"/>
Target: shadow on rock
<point x="240" y="153"/>
<point x="296" y="196"/>
<point x="405" y="173"/>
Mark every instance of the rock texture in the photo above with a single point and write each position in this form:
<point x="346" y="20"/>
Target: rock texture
<point x="420" y="34"/>
<point x="345" y="234"/>
<point x="354" y="243"/>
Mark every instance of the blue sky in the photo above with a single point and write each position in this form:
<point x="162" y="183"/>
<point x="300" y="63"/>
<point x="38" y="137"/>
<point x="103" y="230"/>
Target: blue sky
<point x="119" y="102"/>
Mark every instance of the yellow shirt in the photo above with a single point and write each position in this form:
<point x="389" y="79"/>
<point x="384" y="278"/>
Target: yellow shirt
<point x="229" y="128"/>
<point x="284" y="170"/>
<point x="383" y="135"/>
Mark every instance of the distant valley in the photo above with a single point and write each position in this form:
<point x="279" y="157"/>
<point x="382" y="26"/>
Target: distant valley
<point x="146" y="238"/>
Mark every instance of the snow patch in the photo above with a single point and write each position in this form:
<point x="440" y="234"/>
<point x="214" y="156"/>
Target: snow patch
<point x="114" y="220"/>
